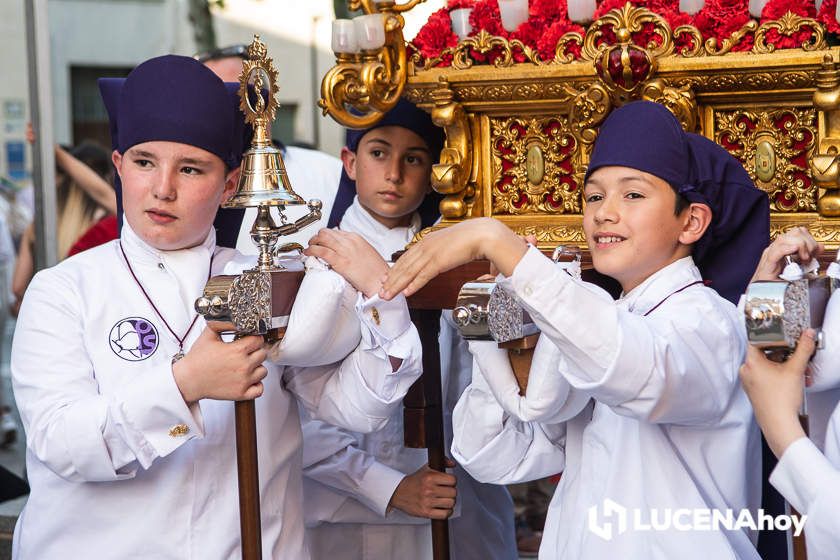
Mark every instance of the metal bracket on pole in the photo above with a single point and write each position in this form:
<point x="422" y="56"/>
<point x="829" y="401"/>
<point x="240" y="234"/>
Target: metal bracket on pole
<point x="41" y="114"/>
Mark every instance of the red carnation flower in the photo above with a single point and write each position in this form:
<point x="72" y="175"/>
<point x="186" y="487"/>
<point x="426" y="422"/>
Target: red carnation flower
<point x="458" y="4"/>
<point x="775" y="9"/>
<point x="435" y="36"/>
<point x="547" y="44"/>
<point x="721" y="18"/>
<point x="826" y="16"/>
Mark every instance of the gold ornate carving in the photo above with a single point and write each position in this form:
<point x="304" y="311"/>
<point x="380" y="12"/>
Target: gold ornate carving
<point x="827" y="95"/>
<point x="370" y="6"/>
<point x="624" y="23"/>
<point x="788" y="25"/>
<point x="552" y="235"/>
<point x="452" y="175"/>
<point x="680" y="101"/>
<point x="559" y="191"/>
<point x="372" y="82"/>
<point x="792" y="134"/>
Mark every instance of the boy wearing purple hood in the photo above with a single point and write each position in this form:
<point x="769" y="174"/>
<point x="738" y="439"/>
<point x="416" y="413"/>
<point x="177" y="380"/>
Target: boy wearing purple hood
<point x="126" y="393"/>
<point x="647" y="420"/>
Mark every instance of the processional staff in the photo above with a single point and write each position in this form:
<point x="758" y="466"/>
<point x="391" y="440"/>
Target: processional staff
<point x="259" y="300"/>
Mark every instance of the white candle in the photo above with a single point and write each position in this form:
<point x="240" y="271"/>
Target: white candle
<point x="514" y="13"/>
<point x="581" y="11"/>
<point x="370" y="31"/>
<point x="756" y="6"/>
<point x="691" y="6"/>
<point x="837" y="12"/>
<point x="344" y="37"/>
<point x="818" y="3"/>
<point x="461" y="22"/>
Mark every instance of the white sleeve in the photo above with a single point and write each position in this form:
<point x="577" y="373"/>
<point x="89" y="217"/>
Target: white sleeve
<point x="549" y="398"/>
<point x="78" y="433"/>
<point x="323" y="325"/>
<point x="680" y="369"/>
<point x="496" y="448"/>
<point x="825" y="366"/>
<point x="361" y="392"/>
<point x="332" y="457"/>
<point x="812" y="485"/>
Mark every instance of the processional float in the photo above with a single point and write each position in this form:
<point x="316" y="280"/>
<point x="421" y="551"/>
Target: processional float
<point x="258" y="301"/>
<point x="521" y="101"/>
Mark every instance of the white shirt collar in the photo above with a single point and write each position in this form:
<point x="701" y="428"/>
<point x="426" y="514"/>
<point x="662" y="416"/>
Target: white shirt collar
<point x="386" y="241"/>
<point x="189" y="266"/>
<point x="660" y="285"/>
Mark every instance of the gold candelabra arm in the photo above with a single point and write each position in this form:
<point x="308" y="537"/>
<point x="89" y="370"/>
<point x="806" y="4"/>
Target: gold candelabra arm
<point x="365" y="85"/>
<point x="451" y="176"/>
<point x="372" y="7"/>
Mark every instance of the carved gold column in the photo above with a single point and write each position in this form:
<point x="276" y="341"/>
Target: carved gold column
<point x="451" y="176"/>
<point x="825" y="165"/>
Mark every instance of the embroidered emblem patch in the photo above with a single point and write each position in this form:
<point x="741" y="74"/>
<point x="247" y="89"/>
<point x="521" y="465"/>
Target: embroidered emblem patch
<point x="133" y="339"/>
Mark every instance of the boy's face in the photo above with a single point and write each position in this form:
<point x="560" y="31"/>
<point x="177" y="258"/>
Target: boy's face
<point x="630" y="225"/>
<point x="171" y="192"/>
<point x="392" y="167"/>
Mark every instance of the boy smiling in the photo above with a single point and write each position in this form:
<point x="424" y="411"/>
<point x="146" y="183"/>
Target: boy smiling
<point x="650" y="414"/>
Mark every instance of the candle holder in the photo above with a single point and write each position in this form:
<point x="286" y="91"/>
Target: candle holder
<point x="371" y="66"/>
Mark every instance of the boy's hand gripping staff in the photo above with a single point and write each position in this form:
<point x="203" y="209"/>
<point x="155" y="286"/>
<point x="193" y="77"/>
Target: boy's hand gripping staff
<point x="258" y="301"/>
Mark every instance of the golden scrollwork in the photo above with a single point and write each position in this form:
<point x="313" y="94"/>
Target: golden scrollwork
<point x="787" y="25"/>
<point x="370" y="6"/>
<point x="361" y="88"/>
<point x="549" y="235"/>
<point x="792" y="134"/>
<point x="451" y="176"/>
<point x="680" y="101"/>
<point x="624" y="23"/>
<point x="711" y="45"/>
<point x="558" y="191"/>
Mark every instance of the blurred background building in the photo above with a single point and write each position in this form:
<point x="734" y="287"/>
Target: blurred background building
<point x="96" y="38"/>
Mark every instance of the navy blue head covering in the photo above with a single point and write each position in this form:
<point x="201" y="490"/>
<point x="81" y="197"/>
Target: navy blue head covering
<point x="646" y="136"/>
<point x="177" y="99"/>
<point x="406" y="115"/>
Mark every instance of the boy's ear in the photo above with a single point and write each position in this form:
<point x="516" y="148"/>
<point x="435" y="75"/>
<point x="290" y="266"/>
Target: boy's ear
<point x="116" y="159"/>
<point x="697" y="219"/>
<point x="348" y="158"/>
<point x="231" y="182"/>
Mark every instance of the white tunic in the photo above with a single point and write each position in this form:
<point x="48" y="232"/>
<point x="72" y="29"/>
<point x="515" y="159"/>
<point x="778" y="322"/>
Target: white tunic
<point x="120" y="467"/>
<point x="810" y="482"/>
<point x="350" y="477"/>
<point x="653" y="415"/>
<point x="312" y="174"/>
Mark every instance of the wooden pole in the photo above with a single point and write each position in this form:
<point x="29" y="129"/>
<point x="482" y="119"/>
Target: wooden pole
<point x="424" y="413"/>
<point x="249" y="480"/>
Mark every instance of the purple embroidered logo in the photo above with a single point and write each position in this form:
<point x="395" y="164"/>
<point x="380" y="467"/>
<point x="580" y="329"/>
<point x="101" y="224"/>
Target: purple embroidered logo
<point x="134" y="339"/>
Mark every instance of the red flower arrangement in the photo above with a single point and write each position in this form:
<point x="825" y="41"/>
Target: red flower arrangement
<point x="436" y="36"/>
<point x="722" y="18"/>
<point x="458" y="4"/>
<point x="778" y="8"/>
<point x="549" y="21"/>
<point x="826" y="16"/>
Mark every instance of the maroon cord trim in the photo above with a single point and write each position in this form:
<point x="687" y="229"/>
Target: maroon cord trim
<point x="652" y="309"/>
<point x="142" y="289"/>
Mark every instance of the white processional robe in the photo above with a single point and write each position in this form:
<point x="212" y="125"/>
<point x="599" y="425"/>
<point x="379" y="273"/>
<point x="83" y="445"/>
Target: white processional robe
<point x="808" y="478"/>
<point x="349" y="478"/>
<point x="651" y="415"/>
<point x="120" y="467"/>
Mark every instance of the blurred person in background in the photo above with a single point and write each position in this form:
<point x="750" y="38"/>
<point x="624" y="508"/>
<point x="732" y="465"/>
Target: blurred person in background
<point x="83" y="197"/>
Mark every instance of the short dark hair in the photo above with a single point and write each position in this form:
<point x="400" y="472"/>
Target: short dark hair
<point x="239" y="51"/>
<point x="681" y="202"/>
